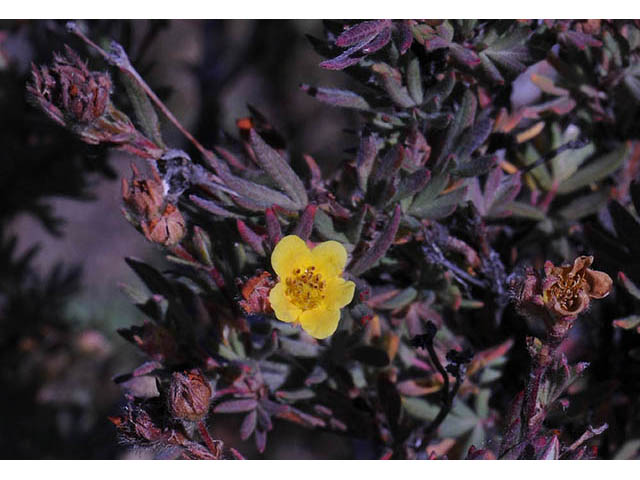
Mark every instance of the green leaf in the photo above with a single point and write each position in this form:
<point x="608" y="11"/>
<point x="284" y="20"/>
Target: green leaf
<point x="401" y="299"/>
<point x="524" y="210"/>
<point x="153" y="279"/>
<point x="410" y="185"/>
<point x="420" y="409"/>
<point x="510" y="51"/>
<point x="414" y="80"/>
<point x="435" y="186"/>
<point x="463" y="118"/>
<point x="595" y="171"/>
<point x="460" y="420"/>
<point x="292" y="396"/>
<point x="324" y="226"/>
<point x="298" y="348"/>
<point x="391" y="80"/>
<point x="584" y="206"/>
<point x="336" y="97"/>
<point x="629" y="450"/>
<point x="441" y="207"/>
<point x="143" y="109"/>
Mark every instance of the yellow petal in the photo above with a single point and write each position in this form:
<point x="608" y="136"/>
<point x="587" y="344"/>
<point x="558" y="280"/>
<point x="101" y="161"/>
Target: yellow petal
<point x="329" y="257"/>
<point x="320" y="323"/>
<point x="285" y="311"/>
<point x="289" y="252"/>
<point x="339" y="293"/>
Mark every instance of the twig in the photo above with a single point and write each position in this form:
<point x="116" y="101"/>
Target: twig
<point x="118" y="58"/>
<point x="209" y="442"/>
<point x="573" y="145"/>
<point x="426" y="341"/>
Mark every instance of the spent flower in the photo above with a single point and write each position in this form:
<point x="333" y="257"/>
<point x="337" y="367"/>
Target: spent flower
<point x="562" y="294"/>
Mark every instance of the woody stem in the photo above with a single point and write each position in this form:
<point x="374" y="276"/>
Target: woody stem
<point x="119" y="58"/>
<point x="204" y="433"/>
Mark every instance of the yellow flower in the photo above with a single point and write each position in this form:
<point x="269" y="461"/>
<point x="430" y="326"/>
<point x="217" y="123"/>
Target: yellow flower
<point x="310" y="289"/>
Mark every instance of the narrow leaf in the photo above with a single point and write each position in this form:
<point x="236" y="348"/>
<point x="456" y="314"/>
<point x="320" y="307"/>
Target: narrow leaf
<point x="380" y="246"/>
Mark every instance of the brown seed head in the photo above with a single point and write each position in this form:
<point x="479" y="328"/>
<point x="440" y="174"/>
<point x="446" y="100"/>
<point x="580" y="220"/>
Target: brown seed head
<point x="189" y="395"/>
<point x="69" y="91"/>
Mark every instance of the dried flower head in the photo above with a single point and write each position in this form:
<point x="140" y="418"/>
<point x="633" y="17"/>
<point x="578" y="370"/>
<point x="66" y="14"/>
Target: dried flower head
<point x="568" y="289"/>
<point x="160" y="221"/>
<point x="310" y="290"/>
<point x="561" y="295"/>
<point x="189" y="396"/>
<point x="69" y="91"/>
<point x="255" y="294"/>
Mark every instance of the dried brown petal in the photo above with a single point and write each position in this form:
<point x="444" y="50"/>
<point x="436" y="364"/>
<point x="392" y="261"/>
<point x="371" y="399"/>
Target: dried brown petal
<point x="599" y="283"/>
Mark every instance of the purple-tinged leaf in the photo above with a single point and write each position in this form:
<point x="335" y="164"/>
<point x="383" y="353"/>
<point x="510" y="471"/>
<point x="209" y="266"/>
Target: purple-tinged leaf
<point x="345" y="59"/>
<point x="378" y="43"/>
<point x="250" y="237"/>
<point x="264" y="419"/>
<point x="317" y="375"/>
<point x="388" y="165"/>
<point x="631" y="287"/>
<point x="464" y="118"/>
<point x="411" y="184"/>
<point x="579" y="39"/>
<point x="261" y="440"/>
<point x="476" y="166"/>
<point x="379" y="247"/>
<point x="392" y="82"/>
<point x="361" y="32"/>
<point x="465" y="56"/>
<point x="236" y="406"/>
<point x="354" y="230"/>
<point x="336" y="97"/>
<point x="212" y="207"/>
<point x="274" y="232"/>
<point x="305" y="223"/>
<point x="278" y="169"/>
<point x="248" y="425"/>
<point x="366" y="156"/>
<point x="298" y="348"/>
<point x="406" y="37"/>
<point x="441" y="91"/>
<point x="293" y="396"/>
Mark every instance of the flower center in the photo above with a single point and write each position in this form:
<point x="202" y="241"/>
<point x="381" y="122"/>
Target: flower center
<point x="567" y="289"/>
<point x="305" y="287"/>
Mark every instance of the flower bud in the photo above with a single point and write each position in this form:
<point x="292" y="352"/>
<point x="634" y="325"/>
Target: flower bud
<point x="189" y="395"/>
